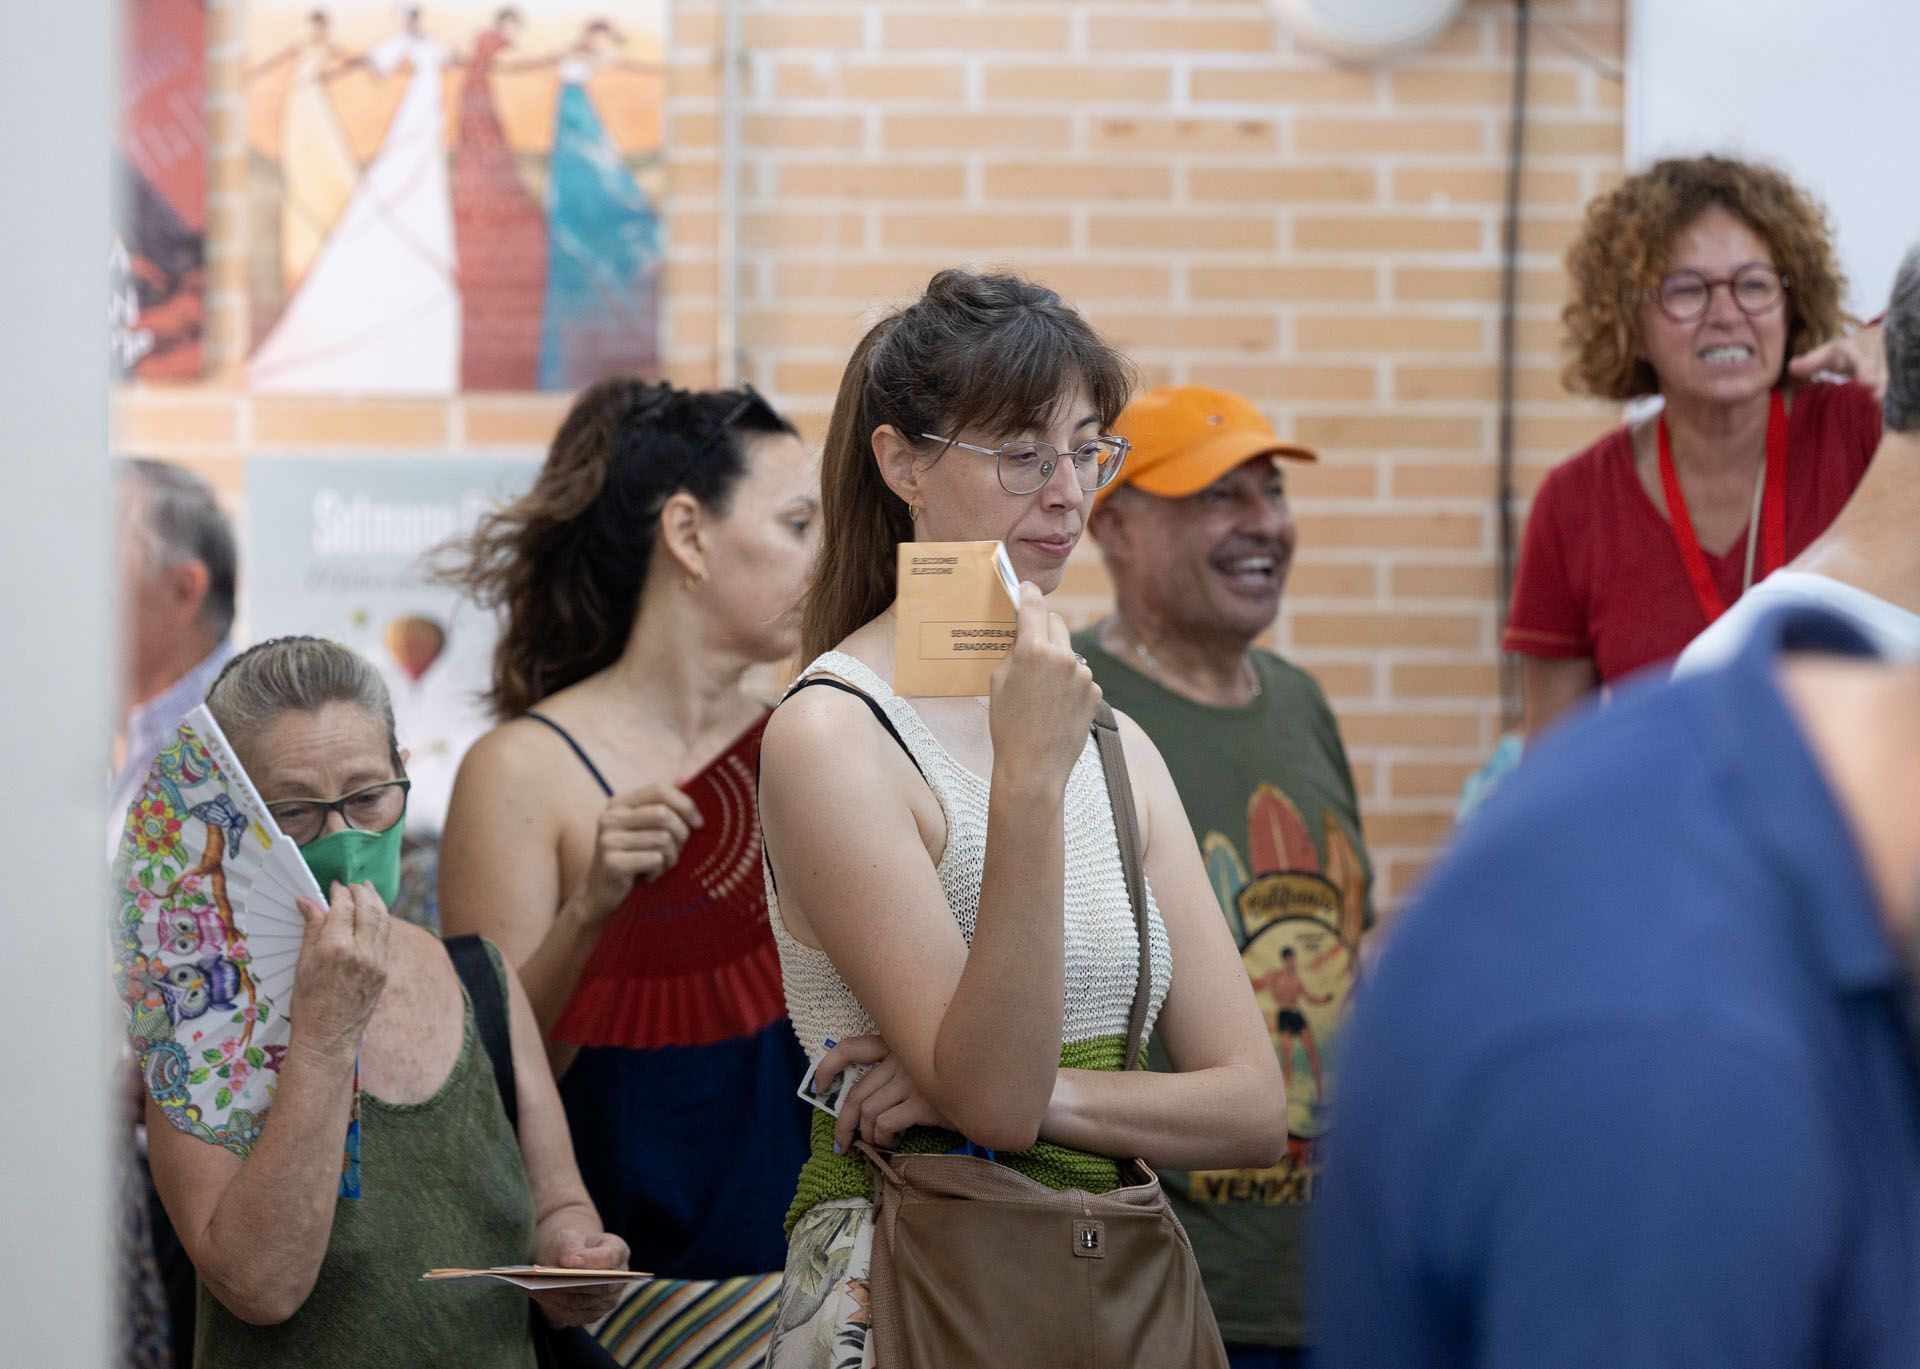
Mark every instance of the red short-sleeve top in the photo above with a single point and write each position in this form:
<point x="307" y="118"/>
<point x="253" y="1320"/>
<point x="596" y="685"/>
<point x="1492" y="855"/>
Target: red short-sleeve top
<point x="1600" y="575"/>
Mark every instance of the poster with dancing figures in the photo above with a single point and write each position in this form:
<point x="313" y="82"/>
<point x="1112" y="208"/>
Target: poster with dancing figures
<point x="336" y="548"/>
<point x="456" y="195"/>
<point x="157" y="261"/>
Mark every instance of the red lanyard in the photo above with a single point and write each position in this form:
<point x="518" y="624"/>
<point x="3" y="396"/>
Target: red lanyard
<point x="1773" y="540"/>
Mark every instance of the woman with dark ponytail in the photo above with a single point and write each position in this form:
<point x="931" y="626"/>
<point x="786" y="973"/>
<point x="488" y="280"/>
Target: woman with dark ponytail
<point x="604" y="835"/>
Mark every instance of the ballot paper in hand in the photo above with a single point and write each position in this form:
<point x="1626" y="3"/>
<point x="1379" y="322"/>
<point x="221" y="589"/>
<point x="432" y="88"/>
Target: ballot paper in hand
<point x="538" y="1278"/>
<point x="955" y="606"/>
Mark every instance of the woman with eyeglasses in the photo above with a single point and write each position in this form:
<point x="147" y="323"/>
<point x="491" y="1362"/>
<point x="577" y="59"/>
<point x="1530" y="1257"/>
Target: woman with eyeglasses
<point x="944" y="876"/>
<point x="605" y="836"/>
<point x="290" y="1272"/>
<point x="1712" y="284"/>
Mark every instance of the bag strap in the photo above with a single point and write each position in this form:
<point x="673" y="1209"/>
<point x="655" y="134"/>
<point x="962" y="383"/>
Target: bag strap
<point x="475" y="968"/>
<point x="1126" y="826"/>
<point x="554" y="1347"/>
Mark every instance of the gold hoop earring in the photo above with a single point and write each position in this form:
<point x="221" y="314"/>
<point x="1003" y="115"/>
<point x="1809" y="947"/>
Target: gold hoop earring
<point x="913" y="513"/>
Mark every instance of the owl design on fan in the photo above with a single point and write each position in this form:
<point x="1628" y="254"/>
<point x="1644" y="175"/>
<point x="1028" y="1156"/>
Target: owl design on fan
<point x="197" y="927"/>
<point x="194" y="989"/>
<point x="207" y="934"/>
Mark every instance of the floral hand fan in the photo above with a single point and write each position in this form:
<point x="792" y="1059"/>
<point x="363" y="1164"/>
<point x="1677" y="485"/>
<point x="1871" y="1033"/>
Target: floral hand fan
<point x="206" y="938"/>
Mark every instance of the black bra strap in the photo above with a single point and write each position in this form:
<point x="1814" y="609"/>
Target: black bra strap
<point x="585" y="759"/>
<point x="864" y="698"/>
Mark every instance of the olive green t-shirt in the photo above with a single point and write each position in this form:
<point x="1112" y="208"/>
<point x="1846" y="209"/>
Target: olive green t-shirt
<point x="1270" y="796"/>
<point x="441" y="1185"/>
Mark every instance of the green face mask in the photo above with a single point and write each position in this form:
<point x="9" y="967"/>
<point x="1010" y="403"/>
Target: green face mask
<point x="353" y="857"/>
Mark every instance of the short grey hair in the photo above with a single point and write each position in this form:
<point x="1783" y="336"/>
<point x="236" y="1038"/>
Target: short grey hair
<point x="1900" y="410"/>
<point x="183" y="522"/>
<point x="295" y="675"/>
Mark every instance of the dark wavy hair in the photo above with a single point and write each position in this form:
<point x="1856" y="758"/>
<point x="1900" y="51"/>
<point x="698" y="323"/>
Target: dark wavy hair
<point x="1628" y="242"/>
<point x="565" y="564"/>
<point x="993" y="352"/>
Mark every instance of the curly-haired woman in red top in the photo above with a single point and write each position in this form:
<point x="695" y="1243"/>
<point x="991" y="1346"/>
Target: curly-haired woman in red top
<point x="1700" y="281"/>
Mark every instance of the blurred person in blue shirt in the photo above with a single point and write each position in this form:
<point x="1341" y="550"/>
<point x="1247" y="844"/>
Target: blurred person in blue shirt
<point x="1635" y="1082"/>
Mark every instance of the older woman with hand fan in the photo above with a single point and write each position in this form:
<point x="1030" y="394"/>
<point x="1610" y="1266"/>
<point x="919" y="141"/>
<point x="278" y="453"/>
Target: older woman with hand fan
<point x="291" y="1271"/>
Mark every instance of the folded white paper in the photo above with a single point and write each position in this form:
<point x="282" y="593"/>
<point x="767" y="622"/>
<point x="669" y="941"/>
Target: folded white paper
<point x="539" y="1278"/>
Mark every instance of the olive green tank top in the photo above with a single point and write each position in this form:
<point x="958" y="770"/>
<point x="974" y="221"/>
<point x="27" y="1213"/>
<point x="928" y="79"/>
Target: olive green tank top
<point x="441" y="1184"/>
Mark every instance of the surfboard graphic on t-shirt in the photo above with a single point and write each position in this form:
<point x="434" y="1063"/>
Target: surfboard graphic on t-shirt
<point x="1298" y="920"/>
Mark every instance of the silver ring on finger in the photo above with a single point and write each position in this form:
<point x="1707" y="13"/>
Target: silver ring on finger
<point x="1078" y="659"/>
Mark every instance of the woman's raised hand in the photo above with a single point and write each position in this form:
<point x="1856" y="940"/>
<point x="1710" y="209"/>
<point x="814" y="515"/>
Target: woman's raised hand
<point x="342" y="968"/>
<point x="639" y="836"/>
<point x="1860" y="356"/>
<point x="1043" y="696"/>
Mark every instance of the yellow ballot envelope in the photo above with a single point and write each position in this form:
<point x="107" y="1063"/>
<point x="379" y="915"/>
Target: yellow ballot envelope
<point x="956" y="604"/>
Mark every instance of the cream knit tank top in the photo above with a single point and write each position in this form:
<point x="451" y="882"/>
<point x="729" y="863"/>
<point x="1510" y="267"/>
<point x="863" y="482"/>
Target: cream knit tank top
<point x="1101" y="951"/>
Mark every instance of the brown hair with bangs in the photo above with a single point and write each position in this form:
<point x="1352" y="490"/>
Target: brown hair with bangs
<point x="1628" y="243"/>
<point x="990" y="352"/>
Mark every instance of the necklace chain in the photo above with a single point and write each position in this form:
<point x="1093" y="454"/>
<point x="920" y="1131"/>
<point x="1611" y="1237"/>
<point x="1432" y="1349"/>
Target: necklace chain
<point x="1152" y="663"/>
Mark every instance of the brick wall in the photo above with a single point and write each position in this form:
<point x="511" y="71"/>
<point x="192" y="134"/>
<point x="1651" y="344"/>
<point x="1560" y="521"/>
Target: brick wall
<point x="1233" y="210"/>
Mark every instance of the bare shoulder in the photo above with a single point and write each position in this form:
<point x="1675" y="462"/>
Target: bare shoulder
<point x="419" y="965"/>
<point x="420" y="946"/>
<point x="519" y="750"/>
<point x="1141" y="753"/>
<point x="513" y="785"/>
<point x="525" y="768"/>
<point x="821" y="730"/>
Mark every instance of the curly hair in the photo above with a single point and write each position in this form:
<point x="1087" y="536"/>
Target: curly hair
<point x="1627" y="246"/>
<point x="566" y="562"/>
<point x="991" y="351"/>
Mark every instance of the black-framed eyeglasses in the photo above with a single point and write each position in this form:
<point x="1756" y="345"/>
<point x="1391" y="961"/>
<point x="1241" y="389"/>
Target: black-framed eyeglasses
<point x="1684" y="296"/>
<point x="1024" y="466"/>
<point x="373" y="809"/>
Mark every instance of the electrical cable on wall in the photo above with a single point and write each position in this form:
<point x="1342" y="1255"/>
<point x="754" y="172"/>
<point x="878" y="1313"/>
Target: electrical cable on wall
<point x="1509" y="292"/>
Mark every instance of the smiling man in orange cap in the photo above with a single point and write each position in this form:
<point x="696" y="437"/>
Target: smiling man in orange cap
<point x="1198" y="538"/>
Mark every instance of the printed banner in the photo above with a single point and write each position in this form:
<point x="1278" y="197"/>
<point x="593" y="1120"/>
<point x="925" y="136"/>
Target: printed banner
<point x="158" y="263"/>
<point x="334" y="548"/>
<point x="459" y="197"/>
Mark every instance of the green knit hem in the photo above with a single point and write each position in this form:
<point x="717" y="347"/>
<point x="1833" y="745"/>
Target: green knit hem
<point x="826" y="1177"/>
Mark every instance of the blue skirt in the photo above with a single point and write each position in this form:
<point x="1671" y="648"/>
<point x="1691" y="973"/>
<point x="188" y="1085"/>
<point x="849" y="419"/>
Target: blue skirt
<point x="691" y="1153"/>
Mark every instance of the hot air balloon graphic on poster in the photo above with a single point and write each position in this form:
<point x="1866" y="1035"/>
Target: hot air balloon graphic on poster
<point x="415" y="643"/>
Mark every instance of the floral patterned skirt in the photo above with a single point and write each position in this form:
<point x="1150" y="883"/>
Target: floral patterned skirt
<point x="825" y="1312"/>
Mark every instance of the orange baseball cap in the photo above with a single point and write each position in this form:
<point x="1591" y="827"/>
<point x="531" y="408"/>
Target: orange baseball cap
<point x="1185" y="437"/>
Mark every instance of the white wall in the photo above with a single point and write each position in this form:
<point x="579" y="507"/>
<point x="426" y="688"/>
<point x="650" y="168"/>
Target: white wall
<point x="1826" y="91"/>
<point x="56" y="1306"/>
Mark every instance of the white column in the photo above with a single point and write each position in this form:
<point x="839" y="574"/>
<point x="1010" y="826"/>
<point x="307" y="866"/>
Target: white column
<point x="56" y="1299"/>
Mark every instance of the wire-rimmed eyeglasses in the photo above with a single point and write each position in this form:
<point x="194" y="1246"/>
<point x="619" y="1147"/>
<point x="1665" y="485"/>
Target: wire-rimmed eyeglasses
<point x="1026" y="465"/>
<point x="1684" y="296"/>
